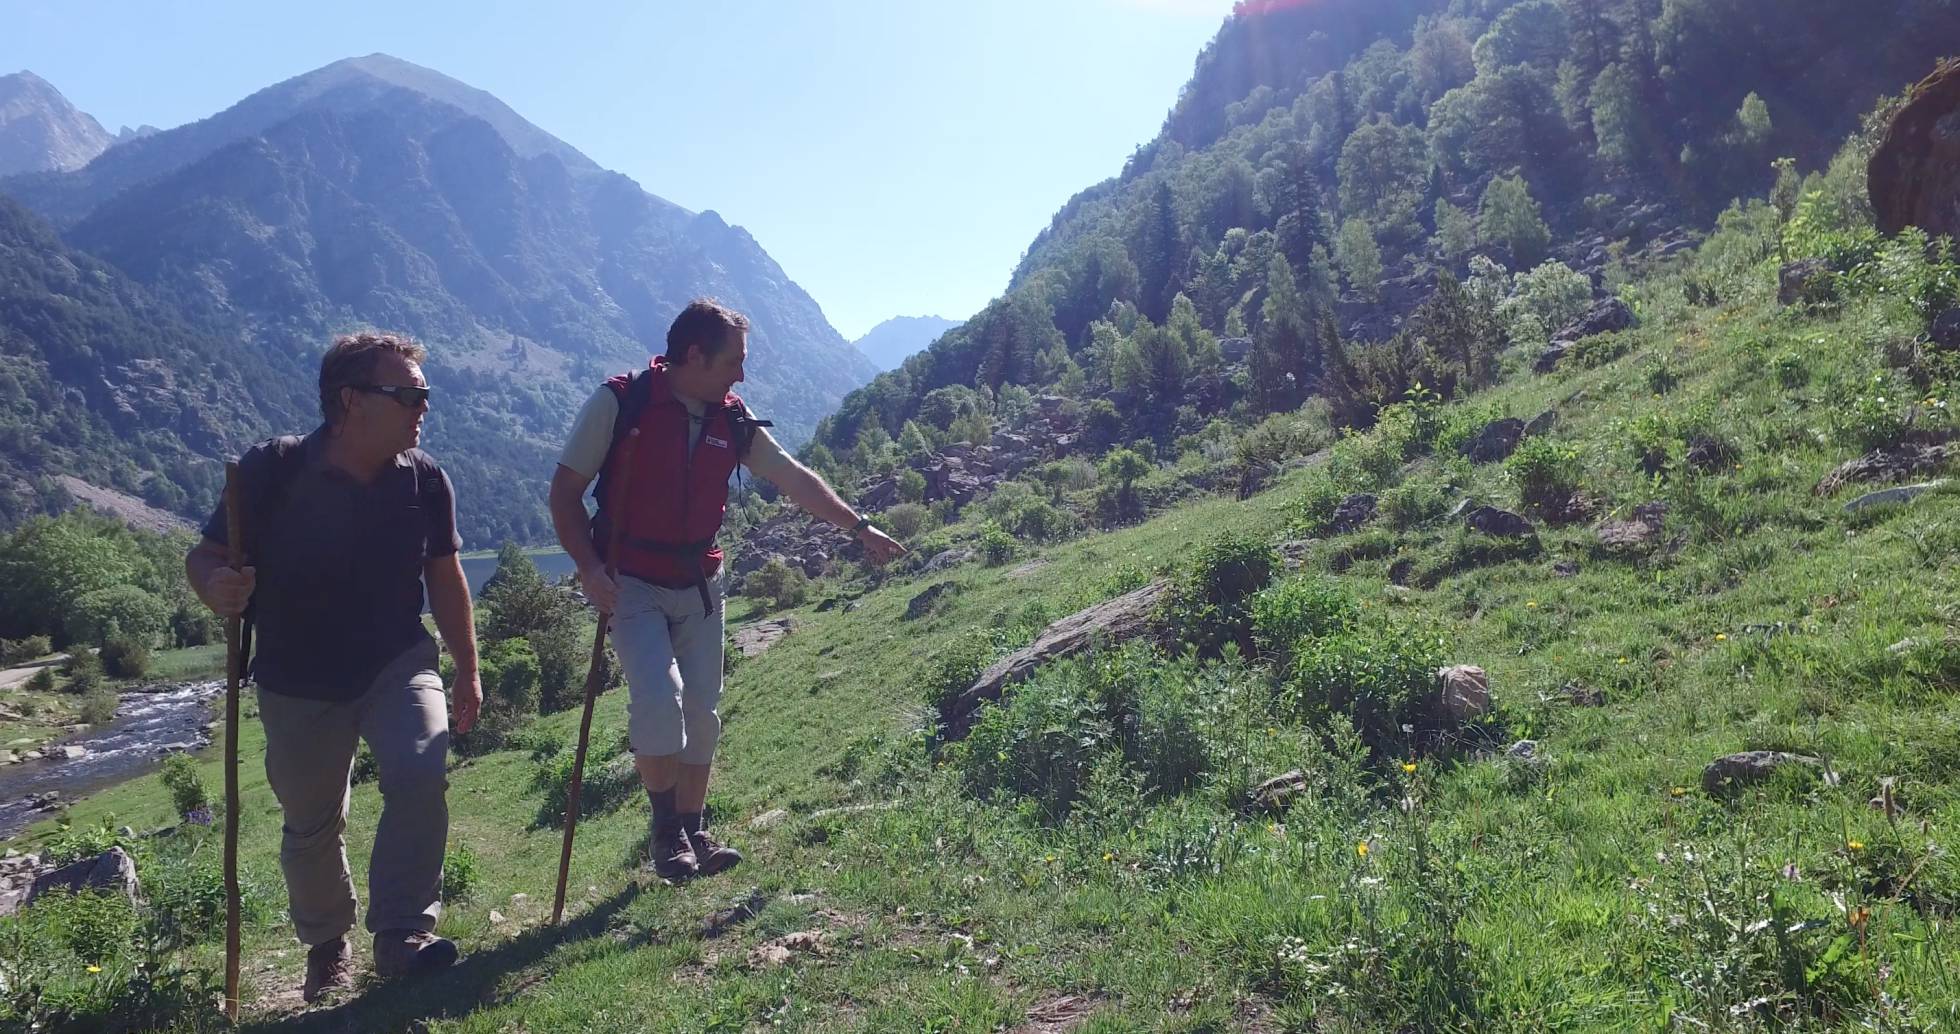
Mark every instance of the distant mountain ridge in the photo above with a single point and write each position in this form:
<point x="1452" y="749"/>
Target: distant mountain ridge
<point x="889" y="343"/>
<point x="374" y="193"/>
<point x="40" y="131"/>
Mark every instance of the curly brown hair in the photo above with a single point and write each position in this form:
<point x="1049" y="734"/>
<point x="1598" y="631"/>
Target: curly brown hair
<point x="350" y="362"/>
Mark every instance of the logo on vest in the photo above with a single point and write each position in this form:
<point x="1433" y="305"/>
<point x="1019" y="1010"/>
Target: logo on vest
<point x="716" y="442"/>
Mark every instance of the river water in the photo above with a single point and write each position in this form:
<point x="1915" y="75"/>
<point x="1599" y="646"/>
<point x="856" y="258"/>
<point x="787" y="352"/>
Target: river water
<point x="147" y="726"/>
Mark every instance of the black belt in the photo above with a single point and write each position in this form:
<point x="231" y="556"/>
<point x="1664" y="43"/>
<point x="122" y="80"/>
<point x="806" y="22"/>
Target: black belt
<point x="692" y="550"/>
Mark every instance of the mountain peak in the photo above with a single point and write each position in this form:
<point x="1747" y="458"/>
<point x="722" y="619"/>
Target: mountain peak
<point x="40" y="131"/>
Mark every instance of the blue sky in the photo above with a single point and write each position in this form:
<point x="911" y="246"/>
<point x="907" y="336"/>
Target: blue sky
<point x="895" y="157"/>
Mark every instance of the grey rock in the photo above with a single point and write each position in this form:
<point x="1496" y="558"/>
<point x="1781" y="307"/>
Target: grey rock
<point x="112" y="870"/>
<point x="1277" y="794"/>
<point x="1497" y="523"/>
<point x="1884" y="496"/>
<point x="1805" y="280"/>
<point x="755" y="639"/>
<point x="1604" y="317"/>
<point x="1463" y="693"/>
<point x="1126" y="617"/>
<point x="1548" y="360"/>
<point x="1497" y="440"/>
<point x="1354" y="511"/>
<point x="948" y="560"/>
<point x="1541" y="424"/>
<point x="1751" y="766"/>
<point x="1945" y="335"/>
<point x="1894" y="464"/>
<point x="923" y="603"/>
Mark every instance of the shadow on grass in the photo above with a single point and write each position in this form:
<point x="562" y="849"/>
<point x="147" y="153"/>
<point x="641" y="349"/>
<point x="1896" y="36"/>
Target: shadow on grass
<point x="479" y="980"/>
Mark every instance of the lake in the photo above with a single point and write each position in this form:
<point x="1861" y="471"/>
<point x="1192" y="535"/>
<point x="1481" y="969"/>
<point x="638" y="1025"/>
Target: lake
<point x="553" y="565"/>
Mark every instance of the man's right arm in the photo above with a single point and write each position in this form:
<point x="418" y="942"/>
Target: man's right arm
<point x="583" y="455"/>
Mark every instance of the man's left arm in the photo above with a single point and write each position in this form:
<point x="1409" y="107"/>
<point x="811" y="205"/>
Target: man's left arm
<point x="449" y="604"/>
<point x="768" y="461"/>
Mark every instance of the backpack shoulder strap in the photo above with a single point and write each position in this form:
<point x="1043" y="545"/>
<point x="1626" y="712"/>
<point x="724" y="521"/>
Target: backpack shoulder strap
<point x="744" y="424"/>
<point x="268" y="470"/>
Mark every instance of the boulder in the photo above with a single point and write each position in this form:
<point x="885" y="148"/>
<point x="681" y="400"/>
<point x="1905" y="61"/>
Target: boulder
<point x="1914" y="175"/>
<point x="1277" y="794"/>
<point x="1604" y="317"/>
<point x="1707" y="453"/>
<point x="1463" y="693"/>
<point x="1495" y="442"/>
<point x="1900" y="494"/>
<point x="1643" y="527"/>
<point x="112" y="870"/>
<point x="1541" y="424"/>
<point x="1805" y="280"/>
<point x="947" y="560"/>
<point x="880" y="495"/>
<point x="1548" y="360"/>
<point x="754" y="639"/>
<point x="1725" y="774"/>
<point x="1894" y="464"/>
<point x="923" y="603"/>
<point x="1126" y="617"/>
<point x="1503" y="524"/>
<point x="1354" y="511"/>
<point x="1945" y="335"/>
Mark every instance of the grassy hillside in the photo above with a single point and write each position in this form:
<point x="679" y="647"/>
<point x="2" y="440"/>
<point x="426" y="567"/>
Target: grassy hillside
<point x="1083" y="861"/>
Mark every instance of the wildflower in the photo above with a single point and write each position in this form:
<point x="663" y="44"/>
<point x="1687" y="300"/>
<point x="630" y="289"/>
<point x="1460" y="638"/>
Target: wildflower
<point x="1721" y="637"/>
<point x="1623" y="660"/>
<point x="1361" y="849"/>
<point x="1408" y="768"/>
<point x="1050" y="859"/>
<point x="1270" y="731"/>
<point x="1855" y="845"/>
<point x="95" y="969"/>
<point x="1531" y="604"/>
<point x="1679" y="791"/>
<point x="1273" y="829"/>
<point x="1109" y="856"/>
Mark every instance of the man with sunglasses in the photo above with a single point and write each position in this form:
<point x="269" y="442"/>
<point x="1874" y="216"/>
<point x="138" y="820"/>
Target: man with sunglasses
<point x="342" y="528"/>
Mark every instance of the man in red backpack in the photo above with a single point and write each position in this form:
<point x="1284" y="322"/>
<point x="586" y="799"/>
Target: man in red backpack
<point x="666" y="605"/>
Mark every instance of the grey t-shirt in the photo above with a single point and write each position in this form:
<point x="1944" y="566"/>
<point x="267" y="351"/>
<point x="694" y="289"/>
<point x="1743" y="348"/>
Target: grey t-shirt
<point x="340" y="563"/>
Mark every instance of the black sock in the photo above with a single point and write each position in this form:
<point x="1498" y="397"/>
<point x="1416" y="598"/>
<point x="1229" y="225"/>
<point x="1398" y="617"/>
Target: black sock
<point x="691" y="821"/>
<point x="662" y="804"/>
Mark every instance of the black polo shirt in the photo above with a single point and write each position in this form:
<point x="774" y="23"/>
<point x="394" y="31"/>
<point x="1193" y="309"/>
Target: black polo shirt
<point x="340" y="563"/>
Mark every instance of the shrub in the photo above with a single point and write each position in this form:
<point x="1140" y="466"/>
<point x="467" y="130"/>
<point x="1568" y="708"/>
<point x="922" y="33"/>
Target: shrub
<point x="180" y="776"/>
<point x="459" y="870"/>
<point x="1365" y="462"/>
<point x="905" y="519"/>
<point x="42" y="681"/>
<point x="949" y="672"/>
<point x="1377" y="676"/>
<point x="95" y="925"/>
<point x="126" y="657"/>
<point x="367" y="770"/>
<point x="81" y="663"/>
<point x="1319" y="498"/>
<point x="1209" y="604"/>
<point x="74" y="843"/>
<point x="98" y="705"/>
<point x="508" y="669"/>
<point x="186" y="895"/>
<point x="120" y="610"/>
<point x="1307" y="606"/>
<point x="608" y="783"/>
<point x="778" y="584"/>
<point x="1413" y="503"/>
<point x="1546" y="473"/>
<point x="997" y="547"/>
<point x="1039" y="743"/>
<point x="20" y="651"/>
<point x="192" y="625"/>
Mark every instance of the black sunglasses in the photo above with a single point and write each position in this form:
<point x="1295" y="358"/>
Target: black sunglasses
<point x="407" y="396"/>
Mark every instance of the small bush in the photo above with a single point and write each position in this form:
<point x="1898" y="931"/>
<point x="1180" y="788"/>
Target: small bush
<point x="1319" y="498"/>
<point x="1040" y="743"/>
<point x="906" y="519"/>
<point x="95" y="925"/>
<point x="1377" y="676"/>
<point x="778" y="584"/>
<point x="1412" y="503"/>
<point x="74" y="843"/>
<point x="1790" y="369"/>
<point x="1210" y="603"/>
<point x="81" y="663"/>
<point x="126" y="657"/>
<point x="949" y="672"/>
<point x="607" y="783"/>
<point x="42" y="681"/>
<point x="20" y="651"/>
<point x="1308" y="606"/>
<point x="98" y="705"/>
<point x="459" y="871"/>
<point x="1365" y="462"/>
<point x="180" y="776"/>
<point x="1546" y="473"/>
<point x="997" y="546"/>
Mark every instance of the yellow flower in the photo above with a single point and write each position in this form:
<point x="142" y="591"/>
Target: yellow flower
<point x="1623" y="660"/>
<point x="1273" y="829"/>
<point x="1361" y="849"/>
<point x="1679" y="791"/>
<point x="1109" y="856"/>
<point x="1408" y="767"/>
<point x="1531" y="603"/>
<point x="1855" y="845"/>
<point x="1270" y="731"/>
<point x="1721" y="637"/>
<point x="1050" y="859"/>
<point x="95" y="969"/>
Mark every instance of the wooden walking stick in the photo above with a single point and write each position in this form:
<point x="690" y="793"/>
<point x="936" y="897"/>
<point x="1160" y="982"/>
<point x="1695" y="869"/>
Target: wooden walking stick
<point x="595" y="676"/>
<point x="238" y="645"/>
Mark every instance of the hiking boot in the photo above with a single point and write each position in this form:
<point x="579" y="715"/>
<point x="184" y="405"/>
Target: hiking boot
<point x="329" y="967"/>
<point x="400" y="953"/>
<point x="671" y="853"/>
<point x="711" y="855"/>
